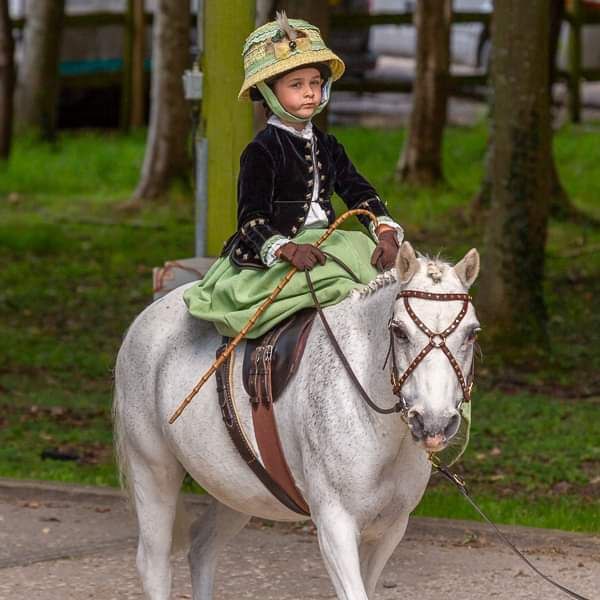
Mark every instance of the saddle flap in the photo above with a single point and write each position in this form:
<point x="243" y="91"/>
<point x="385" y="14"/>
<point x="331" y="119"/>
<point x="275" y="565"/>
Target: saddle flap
<point x="271" y="360"/>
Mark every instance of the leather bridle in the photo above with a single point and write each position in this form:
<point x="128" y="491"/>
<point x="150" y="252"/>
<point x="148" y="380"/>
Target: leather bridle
<point x="436" y="340"/>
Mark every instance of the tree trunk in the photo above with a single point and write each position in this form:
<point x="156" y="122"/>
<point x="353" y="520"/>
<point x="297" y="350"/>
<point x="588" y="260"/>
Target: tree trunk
<point x="7" y="80"/>
<point x="421" y="159"/>
<point x="166" y="148"/>
<point x="560" y="203"/>
<point x="38" y="84"/>
<point x="264" y="12"/>
<point x="513" y="269"/>
<point x="316" y="12"/>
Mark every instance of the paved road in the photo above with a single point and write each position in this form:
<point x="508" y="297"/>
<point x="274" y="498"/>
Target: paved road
<point x="64" y="542"/>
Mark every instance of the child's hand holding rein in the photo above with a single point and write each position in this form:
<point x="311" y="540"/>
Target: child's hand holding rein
<point x="302" y="256"/>
<point x="385" y="252"/>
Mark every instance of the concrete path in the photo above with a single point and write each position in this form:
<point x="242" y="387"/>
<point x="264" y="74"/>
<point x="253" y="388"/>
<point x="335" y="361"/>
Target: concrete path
<point x="64" y="542"/>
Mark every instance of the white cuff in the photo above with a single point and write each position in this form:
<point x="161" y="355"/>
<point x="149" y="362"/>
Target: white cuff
<point x="267" y="252"/>
<point x="391" y="223"/>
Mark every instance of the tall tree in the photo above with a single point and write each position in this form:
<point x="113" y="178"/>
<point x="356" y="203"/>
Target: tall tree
<point x="560" y="203"/>
<point x="264" y="11"/>
<point x="513" y="268"/>
<point x="166" y="155"/>
<point x="421" y="159"/>
<point x="7" y="80"/>
<point x="38" y="83"/>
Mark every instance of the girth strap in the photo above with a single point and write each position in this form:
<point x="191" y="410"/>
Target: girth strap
<point x="272" y="480"/>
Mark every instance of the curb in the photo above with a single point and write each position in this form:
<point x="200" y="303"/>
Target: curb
<point x="458" y="532"/>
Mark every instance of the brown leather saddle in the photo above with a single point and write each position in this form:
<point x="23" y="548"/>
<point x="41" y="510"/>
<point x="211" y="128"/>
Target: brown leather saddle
<point x="269" y="364"/>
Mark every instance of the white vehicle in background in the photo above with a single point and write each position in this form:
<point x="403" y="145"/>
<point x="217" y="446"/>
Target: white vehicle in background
<point x="470" y="42"/>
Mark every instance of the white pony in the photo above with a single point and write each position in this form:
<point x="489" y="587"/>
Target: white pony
<point x="361" y="473"/>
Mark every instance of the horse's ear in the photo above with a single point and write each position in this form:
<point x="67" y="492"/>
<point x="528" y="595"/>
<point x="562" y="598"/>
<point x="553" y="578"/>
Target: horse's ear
<point x="468" y="268"/>
<point x="406" y="263"/>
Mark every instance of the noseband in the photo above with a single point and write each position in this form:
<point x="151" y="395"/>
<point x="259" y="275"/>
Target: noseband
<point x="436" y="340"/>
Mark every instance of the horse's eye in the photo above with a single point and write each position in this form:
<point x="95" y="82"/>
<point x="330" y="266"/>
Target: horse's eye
<point x="399" y="332"/>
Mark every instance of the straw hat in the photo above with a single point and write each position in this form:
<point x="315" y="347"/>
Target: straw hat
<point x="282" y="45"/>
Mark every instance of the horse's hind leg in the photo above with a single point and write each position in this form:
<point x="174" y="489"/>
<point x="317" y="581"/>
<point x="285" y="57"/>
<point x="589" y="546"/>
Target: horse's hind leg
<point x="156" y="478"/>
<point x="210" y="533"/>
<point x="375" y="554"/>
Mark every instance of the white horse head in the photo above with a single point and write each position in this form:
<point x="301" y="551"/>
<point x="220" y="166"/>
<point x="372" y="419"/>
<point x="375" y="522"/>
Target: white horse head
<point x="432" y="392"/>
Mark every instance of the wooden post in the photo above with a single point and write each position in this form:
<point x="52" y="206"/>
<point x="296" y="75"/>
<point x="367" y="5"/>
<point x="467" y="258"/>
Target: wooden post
<point x="138" y="78"/>
<point x="575" y="62"/>
<point x="227" y="122"/>
<point x="132" y="95"/>
<point x="7" y="80"/>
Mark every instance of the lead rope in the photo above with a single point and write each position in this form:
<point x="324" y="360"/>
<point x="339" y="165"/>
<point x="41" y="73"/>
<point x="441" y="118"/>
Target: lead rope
<point x="460" y="484"/>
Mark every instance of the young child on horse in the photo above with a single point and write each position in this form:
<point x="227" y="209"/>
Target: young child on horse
<point x="288" y="174"/>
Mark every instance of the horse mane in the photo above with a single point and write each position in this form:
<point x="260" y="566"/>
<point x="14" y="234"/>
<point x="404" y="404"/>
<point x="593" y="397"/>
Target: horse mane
<point x="435" y="269"/>
<point x="381" y="280"/>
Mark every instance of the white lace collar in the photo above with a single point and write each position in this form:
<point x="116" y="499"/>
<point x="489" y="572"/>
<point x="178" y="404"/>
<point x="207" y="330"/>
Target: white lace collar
<point x="305" y="133"/>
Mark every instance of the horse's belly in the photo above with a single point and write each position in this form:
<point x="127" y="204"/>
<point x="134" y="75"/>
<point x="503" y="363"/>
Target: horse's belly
<point x="203" y="446"/>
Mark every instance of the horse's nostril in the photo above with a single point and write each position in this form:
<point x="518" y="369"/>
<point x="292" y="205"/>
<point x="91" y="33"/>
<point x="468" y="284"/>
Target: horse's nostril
<point x="416" y="422"/>
<point x="452" y="427"/>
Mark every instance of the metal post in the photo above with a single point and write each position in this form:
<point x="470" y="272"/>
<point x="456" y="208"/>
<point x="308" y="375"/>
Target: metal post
<point x="201" y="144"/>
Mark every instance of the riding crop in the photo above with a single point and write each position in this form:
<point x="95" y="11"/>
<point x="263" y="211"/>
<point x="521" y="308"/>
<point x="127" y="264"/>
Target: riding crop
<point x="259" y="311"/>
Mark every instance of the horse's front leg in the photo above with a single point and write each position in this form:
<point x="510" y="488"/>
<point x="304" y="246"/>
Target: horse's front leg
<point x="338" y="539"/>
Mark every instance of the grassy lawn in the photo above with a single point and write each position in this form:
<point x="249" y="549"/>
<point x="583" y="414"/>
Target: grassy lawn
<point x="75" y="270"/>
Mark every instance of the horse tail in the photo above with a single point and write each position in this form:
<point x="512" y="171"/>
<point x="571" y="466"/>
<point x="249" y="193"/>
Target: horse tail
<point x="182" y="524"/>
<point x="120" y="452"/>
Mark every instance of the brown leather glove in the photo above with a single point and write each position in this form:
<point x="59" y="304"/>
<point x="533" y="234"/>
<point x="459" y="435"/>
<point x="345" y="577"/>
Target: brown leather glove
<point x="302" y="256"/>
<point x="384" y="255"/>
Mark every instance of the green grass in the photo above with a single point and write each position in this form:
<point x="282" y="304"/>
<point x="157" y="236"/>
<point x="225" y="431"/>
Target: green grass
<point x="76" y="269"/>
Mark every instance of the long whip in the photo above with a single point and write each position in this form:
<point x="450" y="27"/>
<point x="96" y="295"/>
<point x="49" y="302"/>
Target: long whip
<point x="259" y="311"/>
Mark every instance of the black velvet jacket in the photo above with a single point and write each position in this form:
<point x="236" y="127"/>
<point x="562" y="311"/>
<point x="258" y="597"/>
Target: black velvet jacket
<point x="275" y="189"/>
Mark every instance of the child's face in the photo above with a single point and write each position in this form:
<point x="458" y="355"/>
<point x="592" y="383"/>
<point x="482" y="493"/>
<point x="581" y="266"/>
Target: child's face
<point x="299" y="91"/>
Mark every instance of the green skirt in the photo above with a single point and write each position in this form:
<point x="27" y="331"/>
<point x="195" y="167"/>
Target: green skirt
<point x="229" y="296"/>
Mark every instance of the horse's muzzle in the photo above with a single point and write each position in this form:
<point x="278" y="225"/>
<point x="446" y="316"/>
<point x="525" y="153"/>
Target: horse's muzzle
<point x="433" y="434"/>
